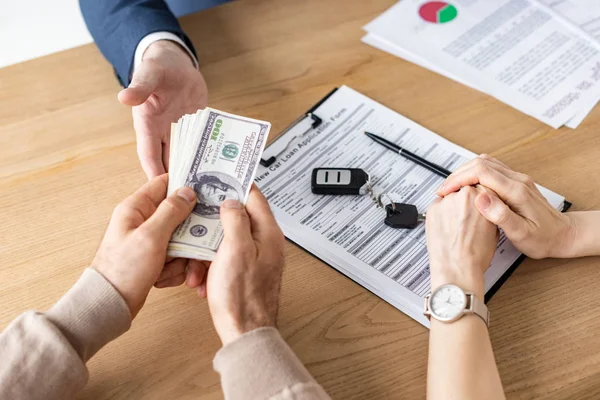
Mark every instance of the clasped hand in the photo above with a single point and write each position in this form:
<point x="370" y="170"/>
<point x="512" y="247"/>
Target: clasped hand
<point x="515" y="204"/>
<point x="460" y="239"/>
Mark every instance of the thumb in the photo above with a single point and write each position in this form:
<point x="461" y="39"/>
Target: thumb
<point x="494" y="210"/>
<point x="144" y="82"/>
<point x="235" y="221"/>
<point x="170" y="213"/>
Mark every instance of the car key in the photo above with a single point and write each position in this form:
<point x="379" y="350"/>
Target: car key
<point x="340" y="181"/>
<point x="402" y="216"/>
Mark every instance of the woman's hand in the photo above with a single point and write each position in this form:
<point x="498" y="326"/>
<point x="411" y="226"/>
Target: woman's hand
<point x="133" y="251"/>
<point x="460" y="242"/>
<point x="461" y="245"/>
<point x="517" y="207"/>
<point x="242" y="283"/>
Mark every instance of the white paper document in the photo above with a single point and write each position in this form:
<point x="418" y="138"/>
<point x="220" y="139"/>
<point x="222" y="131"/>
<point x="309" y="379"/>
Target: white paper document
<point x="583" y="13"/>
<point x="348" y="232"/>
<point x="522" y="52"/>
<point x="386" y="46"/>
<point x="586" y="15"/>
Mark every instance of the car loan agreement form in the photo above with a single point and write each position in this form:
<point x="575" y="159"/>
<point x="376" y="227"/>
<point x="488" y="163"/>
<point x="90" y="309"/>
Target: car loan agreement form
<point x="348" y="232"/>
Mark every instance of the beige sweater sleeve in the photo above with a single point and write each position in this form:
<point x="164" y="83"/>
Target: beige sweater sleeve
<point x="260" y="365"/>
<point x="43" y="354"/>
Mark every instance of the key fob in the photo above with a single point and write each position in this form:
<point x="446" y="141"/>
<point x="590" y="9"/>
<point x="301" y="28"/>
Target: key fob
<point x="402" y="216"/>
<point x="339" y="181"/>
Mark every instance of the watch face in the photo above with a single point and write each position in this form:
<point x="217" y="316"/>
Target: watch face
<point x="447" y="303"/>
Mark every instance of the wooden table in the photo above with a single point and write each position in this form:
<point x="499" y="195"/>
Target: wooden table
<point x="67" y="157"/>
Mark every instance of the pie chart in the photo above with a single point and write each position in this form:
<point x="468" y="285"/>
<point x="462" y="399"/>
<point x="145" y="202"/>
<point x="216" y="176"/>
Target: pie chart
<point x="438" y="12"/>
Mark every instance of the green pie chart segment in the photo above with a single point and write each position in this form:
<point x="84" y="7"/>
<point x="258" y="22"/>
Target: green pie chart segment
<point x="447" y="14"/>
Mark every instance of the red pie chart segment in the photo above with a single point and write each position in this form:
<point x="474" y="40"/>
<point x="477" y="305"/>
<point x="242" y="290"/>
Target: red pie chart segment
<point x="429" y="11"/>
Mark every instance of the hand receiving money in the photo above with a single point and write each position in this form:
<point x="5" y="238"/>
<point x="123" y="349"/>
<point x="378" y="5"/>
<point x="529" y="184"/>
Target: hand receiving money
<point x="216" y="154"/>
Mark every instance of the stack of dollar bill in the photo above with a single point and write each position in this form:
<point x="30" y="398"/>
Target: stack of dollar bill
<point x="216" y="154"/>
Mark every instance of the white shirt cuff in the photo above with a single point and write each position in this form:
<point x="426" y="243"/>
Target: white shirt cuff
<point x="155" y="37"/>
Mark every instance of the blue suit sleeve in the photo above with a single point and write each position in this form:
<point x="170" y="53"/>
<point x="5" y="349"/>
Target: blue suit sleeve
<point x="117" y="26"/>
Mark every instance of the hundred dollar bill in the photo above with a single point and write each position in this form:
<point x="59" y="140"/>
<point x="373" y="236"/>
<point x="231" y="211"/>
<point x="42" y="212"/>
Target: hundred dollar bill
<point x="216" y="154"/>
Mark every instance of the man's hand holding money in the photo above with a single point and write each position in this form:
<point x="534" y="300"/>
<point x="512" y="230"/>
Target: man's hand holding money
<point x="133" y="253"/>
<point x="242" y="283"/>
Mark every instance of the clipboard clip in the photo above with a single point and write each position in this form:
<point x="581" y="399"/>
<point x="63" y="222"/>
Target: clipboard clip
<point x="297" y="129"/>
<point x="300" y="127"/>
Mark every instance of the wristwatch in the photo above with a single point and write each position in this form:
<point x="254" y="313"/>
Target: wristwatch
<point x="449" y="303"/>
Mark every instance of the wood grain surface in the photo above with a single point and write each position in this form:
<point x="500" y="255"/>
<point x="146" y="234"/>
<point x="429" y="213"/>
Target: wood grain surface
<point x="67" y="157"/>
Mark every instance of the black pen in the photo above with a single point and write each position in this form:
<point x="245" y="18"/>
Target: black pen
<point x="411" y="156"/>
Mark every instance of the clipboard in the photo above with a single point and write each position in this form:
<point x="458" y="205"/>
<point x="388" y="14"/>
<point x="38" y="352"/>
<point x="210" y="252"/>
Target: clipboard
<point x="310" y="121"/>
<point x="300" y="127"/>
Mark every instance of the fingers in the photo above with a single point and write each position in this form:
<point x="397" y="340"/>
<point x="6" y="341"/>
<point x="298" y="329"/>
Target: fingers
<point x="478" y="159"/>
<point x="138" y="207"/>
<point x="195" y="273"/>
<point x="235" y="222"/>
<point x="264" y="226"/>
<point x="511" y="187"/>
<point x="173" y="273"/>
<point x="476" y="168"/>
<point x="150" y="153"/>
<point x="166" y="151"/>
<point x="201" y="290"/>
<point x="489" y="158"/>
<point x="170" y="213"/>
<point x="494" y="210"/>
<point x="180" y="270"/>
<point x="170" y="282"/>
<point x="154" y="190"/>
<point x="196" y="276"/>
<point x="146" y="79"/>
<point x="477" y="174"/>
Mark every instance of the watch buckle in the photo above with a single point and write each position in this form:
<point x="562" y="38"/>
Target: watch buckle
<point x="426" y="310"/>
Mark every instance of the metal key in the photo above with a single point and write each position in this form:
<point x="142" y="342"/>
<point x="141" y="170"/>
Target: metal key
<point x="403" y="216"/>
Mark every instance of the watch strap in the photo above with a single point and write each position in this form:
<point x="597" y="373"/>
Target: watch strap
<point x="477" y="307"/>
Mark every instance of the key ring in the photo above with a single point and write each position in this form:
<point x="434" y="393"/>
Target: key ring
<point x="380" y="203"/>
<point x="377" y="199"/>
<point x="370" y="192"/>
